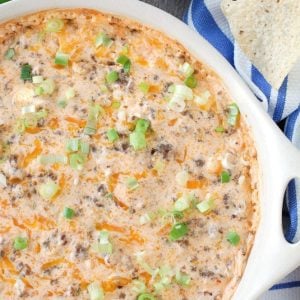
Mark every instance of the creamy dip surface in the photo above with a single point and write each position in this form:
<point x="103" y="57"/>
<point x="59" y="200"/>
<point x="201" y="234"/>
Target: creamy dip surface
<point x="127" y="171"/>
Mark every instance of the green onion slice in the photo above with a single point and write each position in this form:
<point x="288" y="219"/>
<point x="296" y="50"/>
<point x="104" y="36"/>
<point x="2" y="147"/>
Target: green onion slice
<point x="77" y="161"/>
<point x="220" y="129"/>
<point x="9" y="54"/>
<point x="54" y="25"/>
<point x="37" y="79"/>
<point x="182" y="203"/>
<point x="225" y="177"/>
<point x="116" y="104"/>
<point x="125" y="62"/>
<point x="47" y="87"/>
<point x="48" y="190"/>
<point x="112" y="135"/>
<point x="112" y="77"/>
<point x="28" y="109"/>
<point x="20" y="243"/>
<point x="206" y="205"/>
<point x="186" y="69"/>
<point x="178" y="231"/>
<point x="72" y="145"/>
<point x="233" y="114"/>
<point x="95" y="291"/>
<point x="102" y="39"/>
<point x="26" y="74"/>
<point x="191" y="81"/>
<point x="132" y="183"/>
<point x="51" y="159"/>
<point x="146" y="296"/>
<point x="104" y="246"/>
<point x="62" y="103"/>
<point x="182" y="279"/>
<point x="61" y="59"/>
<point x="91" y="125"/>
<point x="70" y="93"/>
<point x="68" y="213"/>
<point x="233" y="238"/>
<point x="142" y="126"/>
<point x="137" y="140"/>
<point x="144" y="87"/>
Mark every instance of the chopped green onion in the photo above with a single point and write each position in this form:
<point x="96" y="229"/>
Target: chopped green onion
<point x="203" y="99"/>
<point x="171" y="88"/>
<point x="138" y="286"/>
<point x="112" y="77"/>
<point x="186" y="69"/>
<point x="103" y="40"/>
<point x="95" y="291"/>
<point x="233" y="114"/>
<point x="10" y="53"/>
<point x="125" y="62"/>
<point x="51" y="159"/>
<point x="183" y="91"/>
<point x="103" y="88"/>
<point x="112" y="135"/>
<point x="178" y="231"/>
<point x="132" y="183"/>
<point x="220" y="129"/>
<point x="68" y="213"/>
<point x="37" y="79"/>
<point x="206" y="205"/>
<point x="182" y="178"/>
<point x="54" y="25"/>
<point x="26" y="72"/>
<point x="20" y="243"/>
<point x="70" y="93"/>
<point x="182" y="203"/>
<point x="146" y="296"/>
<point x="143" y="264"/>
<point x="72" y="145"/>
<point x="104" y="246"/>
<point x="91" y="124"/>
<point x="61" y="59"/>
<point x="225" y="177"/>
<point x="38" y="91"/>
<point x="144" y="219"/>
<point x="84" y="147"/>
<point x="116" y="104"/>
<point x="62" y="103"/>
<point x="77" y="161"/>
<point x="48" y="190"/>
<point x="233" y="238"/>
<point x="144" y="87"/>
<point x="191" y="81"/>
<point x="28" y="109"/>
<point x="142" y="126"/>
<point x="137" y="140"/>
<point x="182" y="279"/>
<point x="47" y="87"/>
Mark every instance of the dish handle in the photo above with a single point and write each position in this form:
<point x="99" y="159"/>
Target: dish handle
<point x="272" y="257"/>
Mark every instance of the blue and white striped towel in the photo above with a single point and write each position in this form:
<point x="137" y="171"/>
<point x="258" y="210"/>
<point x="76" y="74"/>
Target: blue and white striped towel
<point x="206" y="17"/>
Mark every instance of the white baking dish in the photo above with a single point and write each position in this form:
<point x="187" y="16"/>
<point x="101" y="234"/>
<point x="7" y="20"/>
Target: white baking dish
<point x="271" y="257"/>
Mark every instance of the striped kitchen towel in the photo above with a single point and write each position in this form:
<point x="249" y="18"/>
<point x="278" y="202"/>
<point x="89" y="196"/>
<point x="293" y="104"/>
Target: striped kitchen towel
<point x="206" y="17"/>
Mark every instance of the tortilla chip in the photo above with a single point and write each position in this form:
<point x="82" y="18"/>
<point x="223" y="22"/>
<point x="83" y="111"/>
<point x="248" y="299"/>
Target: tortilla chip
<point x="268" y="32"/>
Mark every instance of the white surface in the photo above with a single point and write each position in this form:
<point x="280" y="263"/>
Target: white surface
<point x="272" y="257"/>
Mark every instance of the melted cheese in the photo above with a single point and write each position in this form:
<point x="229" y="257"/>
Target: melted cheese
<point x="59" y="260"/>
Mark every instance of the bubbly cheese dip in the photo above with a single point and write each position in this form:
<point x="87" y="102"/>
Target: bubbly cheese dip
<point x="127" y="171"/>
